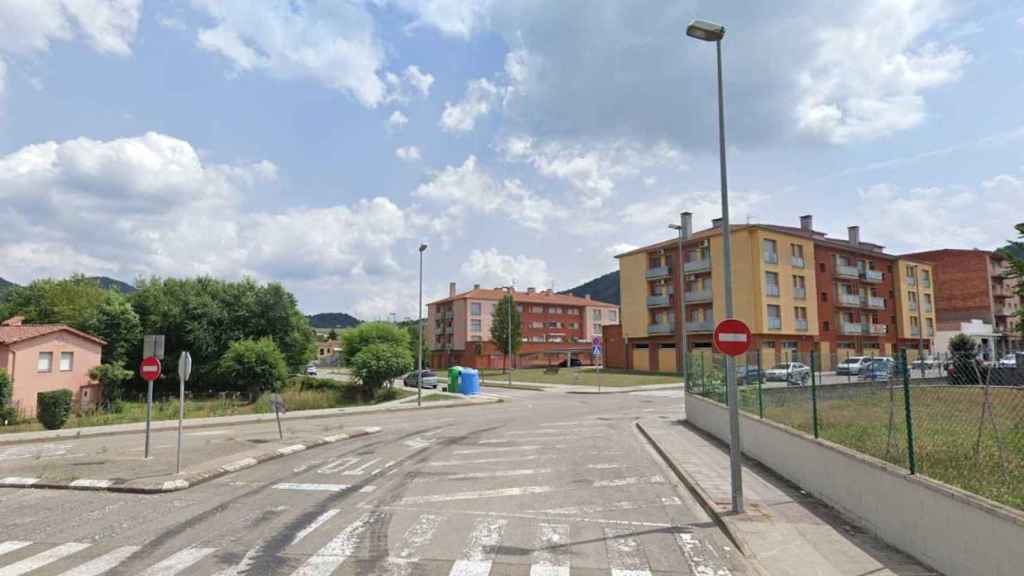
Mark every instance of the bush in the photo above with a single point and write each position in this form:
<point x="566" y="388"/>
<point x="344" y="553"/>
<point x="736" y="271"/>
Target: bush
<point x="380" y="363"/>
<point x="53" y="408"/>
<point x="8" y="415"/>
<point x="303" y="382"/>
<point x="258" y="365"/>
<point x="112" y="377"/>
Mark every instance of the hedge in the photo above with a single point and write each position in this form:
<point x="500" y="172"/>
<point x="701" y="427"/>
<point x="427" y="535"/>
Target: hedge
<point x="53" y="408"/>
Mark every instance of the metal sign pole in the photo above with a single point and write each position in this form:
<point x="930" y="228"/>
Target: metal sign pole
<point x="278" y="403"/>
<point x="184" y="371"/>
<point x="149" y="413"/>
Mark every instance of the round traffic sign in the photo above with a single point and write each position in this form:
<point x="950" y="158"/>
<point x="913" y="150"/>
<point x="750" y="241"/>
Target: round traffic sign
<point x="732" y="337"/>
<point x="150" y="369"/>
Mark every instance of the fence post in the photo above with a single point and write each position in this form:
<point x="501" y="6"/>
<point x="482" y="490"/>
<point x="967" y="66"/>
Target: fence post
<point x="906" y="404"/>
<point x="814" y="395"/>
<point x="760" y="380"/>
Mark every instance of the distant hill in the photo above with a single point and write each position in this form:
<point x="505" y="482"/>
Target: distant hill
<point x="1013" y="251"/>
<point x="112" y="284"/>
<point x="333" y="320"/>
<point x="5" y="284"/>
<point x="604" y="288"/>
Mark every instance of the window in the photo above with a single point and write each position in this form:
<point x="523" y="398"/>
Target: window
<point x="821" y="266"/>
<point x="45" y="362"/>
<point x="597" y="328"/>
<point x="475" y="338"/>
<point x="824" y="296"/>
<point x="769" y="248"/>
<point x="774" y="317"/>
<point x="654" y="262"/>
<point x="519" y="308"/>
<point x="797" y="258"/>
<point x="474" y="308"/>
<point x="927" y="302"/>
<point x="552" y="310"/>
<point x="474" y="325"/>
<point x="613" y="316"/>
<point x="536" y="325"/>
<point x="537" y="309"/>
<point x="772" y="281"/>
<point x="595" y="315"/>
<point x="799" y="287"/>
<point x="824" y="326"/>
<point x="926" y="279"/>
<point x="573" y="311"/>
<point x="931" y="326"/>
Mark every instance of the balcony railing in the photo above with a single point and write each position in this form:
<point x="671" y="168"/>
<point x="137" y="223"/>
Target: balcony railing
<point x="876" y="302"/>
<point x="844" y="271"/>
<point x="661" y="328"/>
<point x="849" y="299"/>
<point x="659" y="272"/>
<point x="658" y="300"/>
<point x="931" y="331"/>
<point x="698" y="295"/>
<point x="915" y="330"/>
<point x="801" y="324"/>
<point x="873" y="276"/>
<point x="926" y="282"/>
<point x="797" y="262"/>
<point x="799" y="292"/>
<point x="878" y="329"/>
<point x="774" y="323"/>
<point x="1001" y="311"/>
<point x="912" y="307"/>
<point x="911" y="281"/>
<point x="772" y="289"/>
<point x="771" y="257"/>
<point x="851" y="328"/>
<point x="694" y="266"/>
<point x="707" y="325"/>
<point x="927" y="308"/>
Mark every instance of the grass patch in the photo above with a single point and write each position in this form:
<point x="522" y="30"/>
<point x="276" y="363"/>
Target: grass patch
<point x="435" y="397"/>
<point x="584" y="377"/>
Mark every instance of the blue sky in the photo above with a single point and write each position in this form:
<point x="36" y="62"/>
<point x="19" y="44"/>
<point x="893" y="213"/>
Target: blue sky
<point x="317" y="143"/>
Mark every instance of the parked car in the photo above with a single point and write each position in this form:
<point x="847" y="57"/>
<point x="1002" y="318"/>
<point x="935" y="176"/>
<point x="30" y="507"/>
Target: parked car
<point x="926" y="363"/>
<point x="746" y="375"/>
<point x="575" y="362"/>
<point x="878" y="369"/>
<point x="852" y="365"/>
<point x="790" y="372"/>
<point x="1008" y="361"/>
<point x="430" y="379"/>
<point x="311" y="370"/>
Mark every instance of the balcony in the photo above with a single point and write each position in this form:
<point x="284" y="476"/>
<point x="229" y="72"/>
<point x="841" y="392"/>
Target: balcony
<point x="801" y="325"/>
<point x="876" y="303"/>
<point x="695" y="266"/>
<point x="707" y="325"/>
<point x="927" y="308"/>
<point x="912" y="307"/>
<point x="851" y="328"/>
<point x="915" y="331"/>
<point x="878" y="329"/>
<point x="1001" y="311"/>
<point x="931" y="331"/>
<point x="844" y="271"/>
<point x="774" y="323"/>
<point x="851" y="300"/>
<point x="771" y="257"/>
<point x="771" y="289"/>
<point x="698" y="296"/>
<point x="873" y="276"/>
<point x="658" y="273"/>
<point x="799" y="292"/>
<point x="1000" y="291"/>
<point x="911" y="281"/>
<point x="797" y="262"/>
<point x="926" y="283"/>
<point x="661" y="328"/>
<point x="658" y="300"/>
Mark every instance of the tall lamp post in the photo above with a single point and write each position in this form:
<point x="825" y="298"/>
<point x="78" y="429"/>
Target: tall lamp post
<point x="419" y="349"/>
<point x="684" y="232"/>
<point x="508" y="357"/>
<point x="710" y="32"/>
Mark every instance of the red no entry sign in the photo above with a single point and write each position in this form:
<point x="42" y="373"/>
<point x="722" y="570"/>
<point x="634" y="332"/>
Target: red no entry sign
<point x="732" y="337"/>
<point x="150" y="369"/>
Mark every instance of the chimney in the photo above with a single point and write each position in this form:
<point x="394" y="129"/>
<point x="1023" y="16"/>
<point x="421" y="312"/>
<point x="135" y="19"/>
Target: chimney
<point x="476" y="286"/>
<point x="687" y="223"/>
<point x="531" y="290"/>
<point x="451" y="289"/>
<point x="716" y="223"/>
<point x="13" y="321"/>
<point x="807" y="223"/>
<point x="854" y="232"/>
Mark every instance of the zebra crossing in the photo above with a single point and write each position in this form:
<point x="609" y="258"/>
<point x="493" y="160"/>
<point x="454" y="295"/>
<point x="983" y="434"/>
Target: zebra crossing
<point x="330" y="546"/>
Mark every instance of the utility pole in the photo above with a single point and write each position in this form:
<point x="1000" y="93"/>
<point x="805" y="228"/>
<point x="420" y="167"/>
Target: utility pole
<point x="684" y="232"/>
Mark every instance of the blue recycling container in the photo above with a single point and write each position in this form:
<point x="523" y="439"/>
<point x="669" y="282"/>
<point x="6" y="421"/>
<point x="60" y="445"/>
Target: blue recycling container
<point x="469" y="384"/>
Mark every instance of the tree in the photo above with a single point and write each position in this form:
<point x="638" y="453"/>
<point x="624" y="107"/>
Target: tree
<point x="500" y="327"/>
<point x="354" y="340"/>
<point x="113" y="378"/>
<point x="380" y="362"/>
<point x="116" y="322"/>
<point x="332" y="335"/>
<point x="72" y="301"/>
<point x="7" y="412"/>
<point x="963" y="345"/>
<point x="1014" y="252"/>
<point x="965" y="367"/>
<point x="257" y="365"/>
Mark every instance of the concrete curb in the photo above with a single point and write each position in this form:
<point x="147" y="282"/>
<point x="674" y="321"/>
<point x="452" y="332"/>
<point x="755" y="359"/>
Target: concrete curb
<point x="218" y="421"/>
<point x="175" y="482"/>
<point x="702" y="497"/>
<point x="628" y="390"/>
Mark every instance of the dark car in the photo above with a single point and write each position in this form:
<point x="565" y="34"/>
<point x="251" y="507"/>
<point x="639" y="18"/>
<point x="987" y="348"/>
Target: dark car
<point x="575" y="362"/>
<point x="748" y="375"/>
<point x="878" y="369"/>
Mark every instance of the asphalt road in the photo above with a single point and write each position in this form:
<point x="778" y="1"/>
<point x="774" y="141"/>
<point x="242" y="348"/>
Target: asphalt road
<point x="547" y="484"/>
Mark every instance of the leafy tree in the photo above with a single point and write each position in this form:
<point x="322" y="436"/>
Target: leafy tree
<point x="354" y="340"/>
<point x="258" y="365"/>
<point x="500" y="328"/>
<point x="963" y="345"/>
<point x="73" y="301"/>
<point x="380" y="362"/>
<point x="1014" y="252"/>
<point x="114" y="378"/>
<point x="116" y="322"/>
<point x="7" y="411"/>
<point x="332" y="335"/>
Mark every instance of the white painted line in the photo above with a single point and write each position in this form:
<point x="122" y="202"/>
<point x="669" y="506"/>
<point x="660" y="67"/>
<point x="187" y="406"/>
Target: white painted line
<point x="335" y="552"/>
<point x="315" y="524"/>
<point x="699" y="564"/>
<point x="624" y="555"/>
<point x="372" y="429"/>
<point x="104" y="563"/>
<point x="487" y="460"/>
<point x="171" y="485"/>
<point x="416" y="537"/>
<point x="240" y="464"/>
<point x="367" y="489"/>
<point x="603" y="466"/>
<point x="551" y="555"/>
<point x="42" y="559"/>
<point x="670" y="501"/>
<point x="478" y="555"/>
<point x="337" y="465"/>
<point x="11" y="546"/>
<point x="496" y="474"/>
<point x="629" y="481"/>
<point x="336" y="437"/>
<point x="90" y="483"/>
<point x="243" y="565"/>
<point x="291" y="449"/>
<point x="361" y="469"/>
<point x="179" y="562"/>
<point x="510" y="440"/>
<point x="18" y="481"/>
<point x="313" y="487"/>
<point x="731" y="337"/>
<point x="208" y="433"/>
<point x="491" y="450"/>
<point x="476" y="494"/>
<point x="595" y="508"/>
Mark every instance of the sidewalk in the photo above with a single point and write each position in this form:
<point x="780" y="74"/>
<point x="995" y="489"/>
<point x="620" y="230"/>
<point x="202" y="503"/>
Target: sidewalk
<point x="784" y="531"/>
<point x="587" y="389"/>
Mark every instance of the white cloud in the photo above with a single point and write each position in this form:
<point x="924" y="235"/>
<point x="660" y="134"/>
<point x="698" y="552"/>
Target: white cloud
<point x="457" y="18"/>
<point x="28" y="27"/>
<point x="658" y="212"/>
<point x="867" y="77"/>
<point x="334" y="43"/>
<point x="421" y="81"/>
<point x="620" y="248"/>
<point x="491" y="268"/>
<point x="397" y="120"/>
<point x="462" y="117"/>
<point x="171" y="23"/>
<point x="408" y="153"/>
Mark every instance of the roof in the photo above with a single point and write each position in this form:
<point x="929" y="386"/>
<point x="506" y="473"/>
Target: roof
<point x="13" y="334"/>
<point x="967" y="251"/>
<point x="543" y="297"/>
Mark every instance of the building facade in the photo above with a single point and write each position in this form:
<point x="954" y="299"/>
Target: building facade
<point x="553" y="326"/>
<point x="974" y="288"/>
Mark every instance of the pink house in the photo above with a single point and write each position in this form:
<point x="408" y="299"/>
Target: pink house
<point x="44" y="357"/>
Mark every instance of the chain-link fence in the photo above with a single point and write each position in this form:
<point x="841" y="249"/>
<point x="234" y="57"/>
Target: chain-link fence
<point x="956" y="419"/>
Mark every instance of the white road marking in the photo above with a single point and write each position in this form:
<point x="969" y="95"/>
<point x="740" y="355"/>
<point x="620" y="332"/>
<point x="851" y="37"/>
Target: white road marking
<point x="624" y="555"/>
<point x="478" y="555"/>
<point x="337" y="465"/>
<point x="315" y="524"/>
<point x="415" y="538"/>
<point x="550" y="555"/>
<point x="42" y="559"/>
<point x="291" y="449"/>
<point x="335" y="552"/>
<point x="595" y="508"/>
<point x="179" y="562"/>
<point x="312" y="487"/>
<point x="18" y="481"/>
<point x="38" y="451"/>
<point x="104" y="563"/>
<point x="699" y="565"/>
<point x="496" y="474"/>
<point x="208" y="433"/>
<point x="477" y="494"/>
<point x="510" y="440"/>
<point x="489" y="460"/>
<point x="629" y="481"/>
<point x="670" y="501"/>
<point x="418" y="442"/>
<point x="603" y="466"/>
<point x="243" y="565"/>
<point x="90" y="483"/>
<point x="490" y="450"/>
<point x="361" y="469"/>
<point x="11" y="546"/>
<point x="335" y="437"/>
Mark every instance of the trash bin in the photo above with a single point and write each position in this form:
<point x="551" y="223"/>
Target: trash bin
<point x="470" y="384"/>
<point x="453" y="378"/>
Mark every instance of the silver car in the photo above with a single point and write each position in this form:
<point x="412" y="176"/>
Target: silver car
<point x="791" y="372"/>
<point x="430" y="380"/>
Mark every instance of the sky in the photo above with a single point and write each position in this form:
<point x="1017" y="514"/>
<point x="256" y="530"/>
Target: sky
<point x="318" y="143"/>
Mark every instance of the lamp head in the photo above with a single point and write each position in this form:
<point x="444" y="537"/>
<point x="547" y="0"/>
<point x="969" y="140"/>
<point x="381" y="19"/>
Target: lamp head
<point x="704" y="30"/>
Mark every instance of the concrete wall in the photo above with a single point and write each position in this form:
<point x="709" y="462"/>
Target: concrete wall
<point x="953" y="531"/>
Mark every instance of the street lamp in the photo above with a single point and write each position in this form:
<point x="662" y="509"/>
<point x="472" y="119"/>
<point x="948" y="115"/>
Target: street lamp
<point x="711" y="32"/>
<point x="508" y="357"/>
<point x="684" y="232"/>
<point x="419" y="349"/>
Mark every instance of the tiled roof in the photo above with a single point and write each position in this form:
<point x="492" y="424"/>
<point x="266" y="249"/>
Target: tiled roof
<point x="544" y="297"/>
<point x="12" y="334"/>
<point x="815" y="235"/>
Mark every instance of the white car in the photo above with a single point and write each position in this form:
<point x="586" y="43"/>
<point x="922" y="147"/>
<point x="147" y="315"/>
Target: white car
<point x="792" y="372"/>
<point x="310" y="370"/>
<point x="852" y="365"/>
<point x="1008" y="361"/>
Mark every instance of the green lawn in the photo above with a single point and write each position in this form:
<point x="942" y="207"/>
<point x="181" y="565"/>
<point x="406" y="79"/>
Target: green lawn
<point x="582" y="377"/>
<point x="435" y="397"/>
